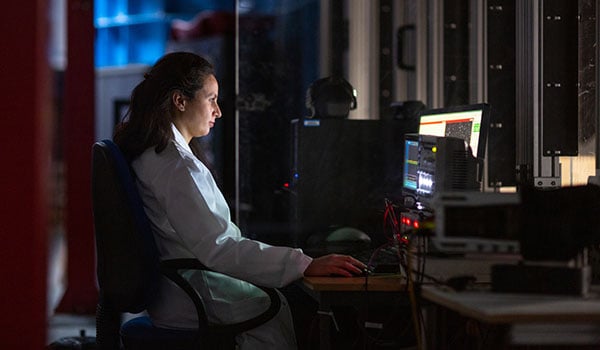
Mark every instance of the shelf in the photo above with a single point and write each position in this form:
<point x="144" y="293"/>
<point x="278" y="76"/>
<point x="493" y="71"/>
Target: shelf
<point x="137" y="31"/>
<point x="126" y="20"/>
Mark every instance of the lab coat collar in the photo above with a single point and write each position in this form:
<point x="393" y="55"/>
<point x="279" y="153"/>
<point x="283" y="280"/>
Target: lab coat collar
<point x="180" y="140"/>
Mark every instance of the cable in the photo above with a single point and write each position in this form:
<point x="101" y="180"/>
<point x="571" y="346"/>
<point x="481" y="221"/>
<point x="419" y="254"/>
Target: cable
<point x="413" y="303"/>
<point x="405" y="247"/>
<point x="376" y="252"/>
<point x="389" y="217"/>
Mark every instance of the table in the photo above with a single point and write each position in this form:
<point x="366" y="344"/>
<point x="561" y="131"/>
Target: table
<point x="378" y="283"/>
<point x="518" y="318"/>
<point x="334" y="291"/>
<point x="343" y="291"/>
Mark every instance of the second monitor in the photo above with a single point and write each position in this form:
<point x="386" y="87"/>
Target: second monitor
<point x="468" y="122"/>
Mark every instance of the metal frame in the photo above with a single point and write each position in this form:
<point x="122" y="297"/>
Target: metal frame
<point x="544" y="171"/>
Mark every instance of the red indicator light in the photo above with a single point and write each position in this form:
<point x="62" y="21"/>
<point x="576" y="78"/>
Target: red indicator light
<point x="286" y="185"/>
<point x="416" y="224"/>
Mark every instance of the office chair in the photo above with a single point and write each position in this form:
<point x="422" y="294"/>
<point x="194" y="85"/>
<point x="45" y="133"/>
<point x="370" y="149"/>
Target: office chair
<point x="128" y="268"/>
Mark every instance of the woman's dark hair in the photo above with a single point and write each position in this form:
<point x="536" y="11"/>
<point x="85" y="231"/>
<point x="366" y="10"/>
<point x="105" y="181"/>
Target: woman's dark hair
<point x="148" y="120"/>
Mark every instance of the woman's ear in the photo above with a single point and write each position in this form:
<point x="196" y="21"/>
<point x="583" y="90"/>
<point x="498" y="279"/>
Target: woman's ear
<point x="179" y="101"/>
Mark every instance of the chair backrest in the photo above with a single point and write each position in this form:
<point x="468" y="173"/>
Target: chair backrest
<point x="127" y="257"/>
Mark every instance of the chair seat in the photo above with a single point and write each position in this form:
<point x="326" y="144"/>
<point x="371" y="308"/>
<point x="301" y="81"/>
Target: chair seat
<point x="141" y="333"/>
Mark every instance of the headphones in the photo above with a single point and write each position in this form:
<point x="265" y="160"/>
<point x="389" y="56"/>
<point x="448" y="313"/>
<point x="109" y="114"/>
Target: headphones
<point x="330" y="97"/>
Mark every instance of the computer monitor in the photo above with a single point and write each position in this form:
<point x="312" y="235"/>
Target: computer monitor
<point x="435" y="164"/>
<point x="468" y="122"/>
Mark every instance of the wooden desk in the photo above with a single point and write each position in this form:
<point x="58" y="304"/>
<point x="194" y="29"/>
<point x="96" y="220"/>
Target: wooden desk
<point x="375" y="283"/>
<point x="514" y="314"/>
<point x="343" y="291"/>
<point x="334" y="291"/>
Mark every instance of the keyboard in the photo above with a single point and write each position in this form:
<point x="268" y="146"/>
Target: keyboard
<point x="384" y="260"/>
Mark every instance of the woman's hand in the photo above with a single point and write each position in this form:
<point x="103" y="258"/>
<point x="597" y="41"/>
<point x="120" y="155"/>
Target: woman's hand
<point x="335" y="264"/>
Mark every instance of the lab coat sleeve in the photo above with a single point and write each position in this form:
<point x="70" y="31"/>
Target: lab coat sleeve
<point x="200" y="217"/>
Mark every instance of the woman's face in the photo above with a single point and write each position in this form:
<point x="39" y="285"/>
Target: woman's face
<point x="198" y="114"/>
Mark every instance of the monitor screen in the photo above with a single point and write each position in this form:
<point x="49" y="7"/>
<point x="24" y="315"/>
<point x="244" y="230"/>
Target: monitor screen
<point x="411" y="163"/>
<point x="469" y="122"/>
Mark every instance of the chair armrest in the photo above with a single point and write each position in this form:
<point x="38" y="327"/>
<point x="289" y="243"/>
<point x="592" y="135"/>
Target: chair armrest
<point x="170" y="268"/>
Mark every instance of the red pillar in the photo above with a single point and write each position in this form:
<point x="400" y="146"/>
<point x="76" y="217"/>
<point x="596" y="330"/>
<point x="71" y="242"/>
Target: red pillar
<point x="81" y="293"/>
<point x="26" y="116"/>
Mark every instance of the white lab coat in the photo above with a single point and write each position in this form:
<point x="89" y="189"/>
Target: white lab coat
<point x="191" y="219"/>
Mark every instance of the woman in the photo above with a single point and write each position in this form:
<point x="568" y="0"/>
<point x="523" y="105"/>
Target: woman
<point x="176" y="101"/>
